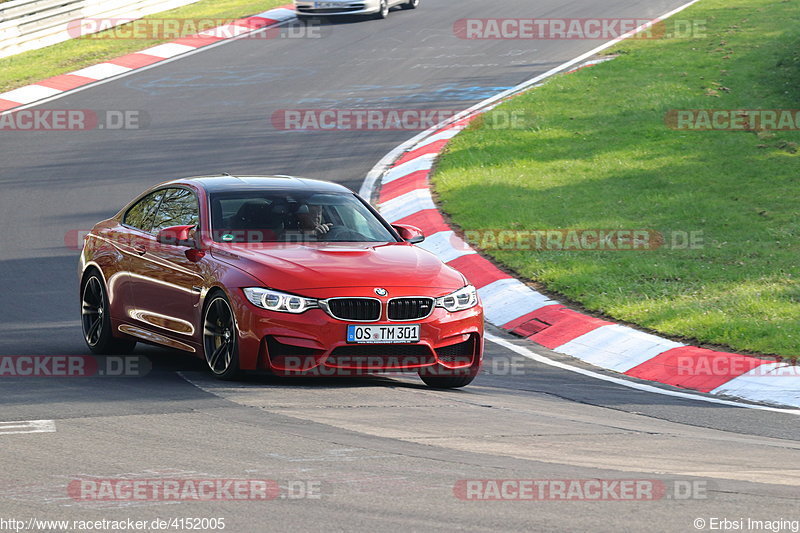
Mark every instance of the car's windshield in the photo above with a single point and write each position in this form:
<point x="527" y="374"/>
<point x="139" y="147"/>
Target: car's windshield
<point x="293" y="216"/>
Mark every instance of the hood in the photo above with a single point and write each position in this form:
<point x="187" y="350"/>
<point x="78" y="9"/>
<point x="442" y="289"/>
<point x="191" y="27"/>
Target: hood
<point x="299" y="267"/>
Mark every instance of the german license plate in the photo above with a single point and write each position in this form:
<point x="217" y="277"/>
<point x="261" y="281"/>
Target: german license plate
<point x="378" y="334"/>
<point x="327" y="5"/>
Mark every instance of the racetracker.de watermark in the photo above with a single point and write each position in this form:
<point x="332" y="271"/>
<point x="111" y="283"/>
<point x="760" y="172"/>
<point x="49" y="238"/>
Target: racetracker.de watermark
<point x="73" y="366"/>
<point x="733" y="119"/>
<point x="485" y="239"/>
<point x="577" y="28"/>
<point x="189" y="29"/>
<point x="183" y="490"/>
<point x="387" y="119"/>
<point x="580" y="240"/>
<point x="726" y="365"/>
<point x="344" y="366"/>
<point x="61" y="120"/>
<point x="589" y="490"/>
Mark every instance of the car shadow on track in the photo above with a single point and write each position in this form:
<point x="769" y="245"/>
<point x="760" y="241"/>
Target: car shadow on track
<point x="195" y="370"/>
<point x="342" y="20"/>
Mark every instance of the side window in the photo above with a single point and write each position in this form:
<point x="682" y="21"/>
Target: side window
<point x="178" y="208"/>
<point x="140" y="215"/>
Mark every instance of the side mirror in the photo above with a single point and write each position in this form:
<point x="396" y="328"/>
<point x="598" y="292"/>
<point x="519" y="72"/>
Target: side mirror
<point x="410" y="234"/>
<point x="177" y="236"/>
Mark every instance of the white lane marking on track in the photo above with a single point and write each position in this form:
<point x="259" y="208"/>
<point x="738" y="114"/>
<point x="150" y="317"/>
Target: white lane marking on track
<point x="25" y="326"/>
<point x="27" y="426"/>
<point x="530" y="354"/>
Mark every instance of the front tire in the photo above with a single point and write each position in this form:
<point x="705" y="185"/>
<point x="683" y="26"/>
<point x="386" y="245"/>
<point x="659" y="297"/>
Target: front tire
<point x="411" y="4"/>
<point x="220" y="342"/>
<point x="96" y="320"/>
<point x="384" y="10"/>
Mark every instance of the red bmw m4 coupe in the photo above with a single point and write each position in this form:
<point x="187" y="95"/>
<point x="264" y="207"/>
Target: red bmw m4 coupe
<point x="288" y="275"/>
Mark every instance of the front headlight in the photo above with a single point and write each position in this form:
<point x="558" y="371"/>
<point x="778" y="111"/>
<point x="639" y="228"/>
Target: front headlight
<point x="460" y="300"/>
<point x="279" y="301"/>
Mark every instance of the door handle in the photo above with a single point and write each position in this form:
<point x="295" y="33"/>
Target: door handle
<point x="139" y="249"/>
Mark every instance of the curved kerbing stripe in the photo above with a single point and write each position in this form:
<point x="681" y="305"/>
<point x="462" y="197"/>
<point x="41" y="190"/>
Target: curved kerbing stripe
<point x="447" y="245"/>
<point x="424" y="162"/>
<point x="167" y="50"/>
<point x="5" y="105"/>
<point x="478" y="270"/>
<point x="407" y="204"/>
<point x="137" y="60"/>
<point x="101" y="71"/>
<point x="430" y="148"/>
<point x="29" y="94"/>
<point x="65" y="82"/>
<point x="554" y="325"/>
<point x="280" y="14"/>
<point x="695" y="368"/>
<point x="443" y="135"/>
<point x="430" y="221"/>
<point x="776" y="383"/>
<point x="616" y="347"/>
<point x="404" y="185"/>
<point x="226" y="31"/>
<point x="508" y="299"/>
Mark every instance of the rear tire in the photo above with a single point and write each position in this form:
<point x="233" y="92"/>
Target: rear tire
<point x="96" y="319"/>
<point x="411" y="4"/>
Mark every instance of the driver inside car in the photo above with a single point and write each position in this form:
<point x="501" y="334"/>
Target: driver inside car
<point x="309" y="218"/>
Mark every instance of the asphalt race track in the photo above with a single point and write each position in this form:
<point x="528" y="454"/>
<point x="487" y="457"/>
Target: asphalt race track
<point x="385" y="452"/>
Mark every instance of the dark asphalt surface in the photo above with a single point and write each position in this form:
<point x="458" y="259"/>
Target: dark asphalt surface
<point x="386" y="450"/>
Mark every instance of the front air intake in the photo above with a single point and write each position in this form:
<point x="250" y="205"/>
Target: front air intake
<point x="355" y="309"/>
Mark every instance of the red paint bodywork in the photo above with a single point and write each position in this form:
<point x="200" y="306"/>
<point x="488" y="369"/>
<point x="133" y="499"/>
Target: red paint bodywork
<point x="157" y="291"/>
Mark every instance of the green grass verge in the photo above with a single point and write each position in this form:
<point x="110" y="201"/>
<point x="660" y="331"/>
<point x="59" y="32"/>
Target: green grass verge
<point x="596" y="153"/>
<point x="30" y="67"/>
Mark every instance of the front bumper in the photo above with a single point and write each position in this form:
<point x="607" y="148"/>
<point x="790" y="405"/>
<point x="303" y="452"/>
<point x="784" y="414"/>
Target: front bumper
<point x="314" y="343"/>
<point x="364" y="7"/>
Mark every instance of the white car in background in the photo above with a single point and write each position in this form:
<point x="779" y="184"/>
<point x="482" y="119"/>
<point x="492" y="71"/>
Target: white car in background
<point x="328" y="8"/>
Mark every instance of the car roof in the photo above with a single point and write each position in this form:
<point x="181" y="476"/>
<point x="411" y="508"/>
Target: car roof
<point x="228" y="183"/>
